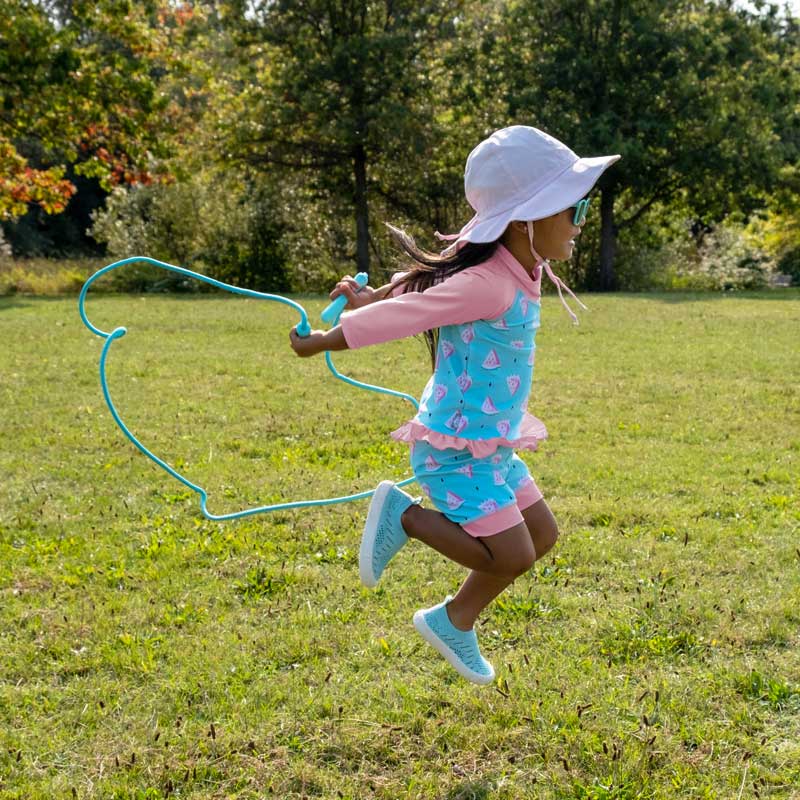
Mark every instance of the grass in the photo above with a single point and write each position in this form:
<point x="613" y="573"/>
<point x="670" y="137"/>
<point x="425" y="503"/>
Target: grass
<point x="147" y="653"/>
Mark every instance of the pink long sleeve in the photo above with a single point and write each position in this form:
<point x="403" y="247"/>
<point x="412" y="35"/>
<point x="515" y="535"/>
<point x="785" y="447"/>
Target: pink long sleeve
<point x="464" y="297"/>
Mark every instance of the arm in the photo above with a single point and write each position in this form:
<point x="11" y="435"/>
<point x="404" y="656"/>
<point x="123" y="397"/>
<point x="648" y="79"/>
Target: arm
<point x="464" y="297"/>
<point x="317" y="341"/>
<point x="321" y="341"/>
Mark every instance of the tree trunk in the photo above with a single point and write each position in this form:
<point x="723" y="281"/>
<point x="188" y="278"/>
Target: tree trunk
<point x="608" y="241"/>
<point x="362" y="210"/>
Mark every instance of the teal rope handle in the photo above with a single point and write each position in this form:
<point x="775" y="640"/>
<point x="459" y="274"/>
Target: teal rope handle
<point x="303" y="329"/>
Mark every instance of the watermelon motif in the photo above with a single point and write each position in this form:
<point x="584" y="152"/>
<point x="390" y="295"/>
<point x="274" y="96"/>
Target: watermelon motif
<point x="454" y="501"/>
<point x="492" y="361"/>
<point x="488" y="506"/>
<point x="489" y="407"/>
<point x="457" y="422"/>
<point x="464" y="381"/>
<point x="431" y="464"/>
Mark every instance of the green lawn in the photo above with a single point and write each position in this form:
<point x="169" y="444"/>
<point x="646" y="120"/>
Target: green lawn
<point x="148" y="653"/>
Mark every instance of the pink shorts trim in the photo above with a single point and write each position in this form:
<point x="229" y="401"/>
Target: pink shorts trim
<point x="528" y="494"/>
<point x="494" y="523"/>
<point x="507" y="517"/>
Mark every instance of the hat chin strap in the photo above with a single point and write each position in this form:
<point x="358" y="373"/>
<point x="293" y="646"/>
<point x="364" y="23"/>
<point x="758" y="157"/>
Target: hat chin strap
<point x="544" y="263"/>
<point x="539" y="259"/>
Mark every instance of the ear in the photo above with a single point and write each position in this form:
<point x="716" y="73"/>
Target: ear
<point x="520" y="226"/>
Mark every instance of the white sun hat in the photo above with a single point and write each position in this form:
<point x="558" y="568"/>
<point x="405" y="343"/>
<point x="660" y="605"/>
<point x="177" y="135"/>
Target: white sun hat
<point x="522" y="173"/>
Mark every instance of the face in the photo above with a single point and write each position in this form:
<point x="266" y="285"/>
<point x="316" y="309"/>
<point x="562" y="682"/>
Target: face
<point x="554" y="237"/>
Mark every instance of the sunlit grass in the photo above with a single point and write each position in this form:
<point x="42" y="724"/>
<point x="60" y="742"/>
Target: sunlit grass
<point x="149" y="653"/>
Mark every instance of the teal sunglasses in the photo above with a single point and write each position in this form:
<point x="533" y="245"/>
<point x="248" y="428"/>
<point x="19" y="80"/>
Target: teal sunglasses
<point x="581" y="208"/>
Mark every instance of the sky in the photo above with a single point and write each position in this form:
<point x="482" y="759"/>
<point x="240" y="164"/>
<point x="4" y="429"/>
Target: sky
<point x="794" y="5"/>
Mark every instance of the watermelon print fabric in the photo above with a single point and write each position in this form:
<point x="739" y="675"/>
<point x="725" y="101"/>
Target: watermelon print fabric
<point x="483" y="495"/>
<point x="473" y="411"/>
<point x="477" y="397"/>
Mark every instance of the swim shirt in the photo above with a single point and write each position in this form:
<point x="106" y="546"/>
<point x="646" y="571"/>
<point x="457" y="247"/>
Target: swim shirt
<point x="477" y="397"/>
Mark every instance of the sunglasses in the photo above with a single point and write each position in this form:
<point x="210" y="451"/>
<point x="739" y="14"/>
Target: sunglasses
<point x="581" y="207"/>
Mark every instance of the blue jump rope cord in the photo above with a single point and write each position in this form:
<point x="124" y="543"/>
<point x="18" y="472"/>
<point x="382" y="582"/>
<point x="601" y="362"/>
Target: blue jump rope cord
<point x="303" y="329"/>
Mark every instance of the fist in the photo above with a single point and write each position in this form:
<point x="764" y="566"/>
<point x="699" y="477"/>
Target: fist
<point x="306" y="346"/>
<point x="357" y="296"/>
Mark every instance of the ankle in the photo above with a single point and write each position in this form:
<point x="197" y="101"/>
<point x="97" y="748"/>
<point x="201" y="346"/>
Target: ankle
<point x="458" y="618"/>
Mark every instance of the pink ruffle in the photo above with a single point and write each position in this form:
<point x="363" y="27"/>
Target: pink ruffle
<point x="532" y="431"/>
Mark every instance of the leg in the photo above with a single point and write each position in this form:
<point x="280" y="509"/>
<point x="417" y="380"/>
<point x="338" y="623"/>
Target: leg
<point x="542" y="526"/>
<point x="480" y="588"/>
<point x="514" y="555"/>
<point x="539" y="519"/>
<point x="446" y="537"/>
<point x="448" y="626"/>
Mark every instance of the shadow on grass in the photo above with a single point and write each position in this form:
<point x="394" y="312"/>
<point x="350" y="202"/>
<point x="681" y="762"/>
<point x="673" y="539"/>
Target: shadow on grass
<point x="7" y="302"/>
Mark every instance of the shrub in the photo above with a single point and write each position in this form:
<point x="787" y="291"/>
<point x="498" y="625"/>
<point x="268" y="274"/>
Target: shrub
<point x="44" y="276"/>
<point x="206" y="224"/>
<point x="729" y="260"/>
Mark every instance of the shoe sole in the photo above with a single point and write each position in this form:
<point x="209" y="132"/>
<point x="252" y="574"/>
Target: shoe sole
<point x="455" y="662"/>
<point x="367" y="549"/>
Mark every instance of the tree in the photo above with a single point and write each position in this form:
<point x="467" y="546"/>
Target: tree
<point x="80" y="84"/>
<point x="336" y="91"/>
<point x="30" y="61"/>
<point x="685" y="90"/>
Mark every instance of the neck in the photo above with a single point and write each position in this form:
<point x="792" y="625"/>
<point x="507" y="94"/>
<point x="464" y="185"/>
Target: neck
<point x="517" y="244"/>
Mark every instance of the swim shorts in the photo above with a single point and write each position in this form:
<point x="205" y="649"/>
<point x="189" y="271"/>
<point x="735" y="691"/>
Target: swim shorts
<point x="483" y="495"/>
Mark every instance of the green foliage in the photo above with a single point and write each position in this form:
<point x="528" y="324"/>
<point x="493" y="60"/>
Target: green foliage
<point x="207" y="224"/>
<point x="689" y="93"/>
<point x="774" y="691"/>
<point x="86" y="85"/>
<point x="321" y="121"/>
<point x="342" y="96"/>
<point x="777" y="228"/>
<point x="44" y="277"/>
<point x="728" y="260"/>
<point x="262" y="581"/>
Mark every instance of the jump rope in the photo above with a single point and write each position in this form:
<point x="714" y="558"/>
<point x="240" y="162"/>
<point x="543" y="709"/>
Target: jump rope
<point x="330" y="316"/>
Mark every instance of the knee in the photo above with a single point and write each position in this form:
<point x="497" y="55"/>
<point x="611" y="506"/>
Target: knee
<point x="517" y="565"/>
<point x="546" y="540"/>
<point x="525" y="561"/>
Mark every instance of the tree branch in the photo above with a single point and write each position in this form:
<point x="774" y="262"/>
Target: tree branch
<point x="663" y="192"/>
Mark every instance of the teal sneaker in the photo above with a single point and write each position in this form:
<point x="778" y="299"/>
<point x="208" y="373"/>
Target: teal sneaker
<point x="383" y="534"/>
<point x="460" y="648"/>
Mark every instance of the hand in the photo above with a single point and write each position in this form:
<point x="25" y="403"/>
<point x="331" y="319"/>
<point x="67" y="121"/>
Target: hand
<point x="306" y="346"/>
<point x="356" y="296"/>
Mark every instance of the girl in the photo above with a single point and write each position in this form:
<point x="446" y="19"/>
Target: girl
<point x="478" y="305"/>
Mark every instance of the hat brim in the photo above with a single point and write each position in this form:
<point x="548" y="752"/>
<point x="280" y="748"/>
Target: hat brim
<point x="569" y="186"/>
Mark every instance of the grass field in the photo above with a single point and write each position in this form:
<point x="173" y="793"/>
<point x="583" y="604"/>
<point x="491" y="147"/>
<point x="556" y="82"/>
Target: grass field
<point x="148" y="653"/>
